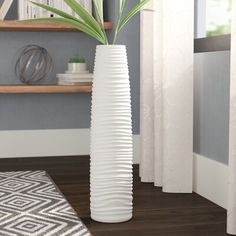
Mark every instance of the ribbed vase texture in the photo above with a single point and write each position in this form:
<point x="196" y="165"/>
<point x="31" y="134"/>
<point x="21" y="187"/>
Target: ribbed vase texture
<point x="111" y="179"/>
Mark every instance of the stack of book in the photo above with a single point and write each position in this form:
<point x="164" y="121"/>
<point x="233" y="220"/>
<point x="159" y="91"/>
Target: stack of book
<point x="4" y="8"/>
<point x="26" y="10"/>
<point x="75" y="77"/>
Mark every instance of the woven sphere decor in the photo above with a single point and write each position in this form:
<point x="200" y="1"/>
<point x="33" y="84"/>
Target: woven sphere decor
<point x="33" y="64"/>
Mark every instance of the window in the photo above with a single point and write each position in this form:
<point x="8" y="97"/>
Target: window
<point x="218" y="17"/>
<point x="212" y="25"/>
<point x="212" y="17"/>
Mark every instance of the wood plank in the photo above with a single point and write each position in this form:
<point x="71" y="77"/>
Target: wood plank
<point x="155" y="213"/>
<point x="11" y="25"/>
<point x="17" y="89"/>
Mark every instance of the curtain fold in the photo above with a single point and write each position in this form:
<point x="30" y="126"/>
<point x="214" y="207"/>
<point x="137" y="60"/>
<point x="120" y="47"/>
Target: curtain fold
<point x="231" y="223"/>
<point x="167" y="37"/>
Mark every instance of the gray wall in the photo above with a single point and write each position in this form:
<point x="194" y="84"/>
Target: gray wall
<point x="62" y="111"/>
<point x="211" y="105"/>
<point x="17" y="112"/>
<point x="211" y="97"/>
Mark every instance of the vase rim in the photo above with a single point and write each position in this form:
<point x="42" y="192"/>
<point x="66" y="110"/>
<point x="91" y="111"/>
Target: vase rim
<point x="112" y="45"/>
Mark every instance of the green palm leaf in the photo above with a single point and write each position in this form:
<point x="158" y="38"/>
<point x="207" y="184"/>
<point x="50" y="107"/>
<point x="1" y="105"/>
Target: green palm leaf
<point x="122" y="5"/>
<point x="133" y="12"/>
<point x="98" y="4"/>
<point x="75" y="24"/>
<point x="85" y="16"/>
<point x="88" y="23"/>
<point x="121" y="8"/>
<point x="54" y="10"/>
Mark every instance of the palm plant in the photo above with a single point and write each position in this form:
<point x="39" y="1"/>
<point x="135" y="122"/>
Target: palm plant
<point x="93" y="26"/>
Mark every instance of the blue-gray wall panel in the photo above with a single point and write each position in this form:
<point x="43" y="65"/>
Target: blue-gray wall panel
<point x="60" y="111"/>
<point x="211" y="105"/>
<point x="211" y="87"/>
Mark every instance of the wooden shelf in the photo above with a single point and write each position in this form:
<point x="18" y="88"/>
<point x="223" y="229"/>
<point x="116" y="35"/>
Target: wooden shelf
<point x="11" y="25"/>
<point x="20" y="89"/>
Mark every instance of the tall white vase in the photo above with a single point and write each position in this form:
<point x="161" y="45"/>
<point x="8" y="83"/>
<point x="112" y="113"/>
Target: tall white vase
<point x="111" y="179"/>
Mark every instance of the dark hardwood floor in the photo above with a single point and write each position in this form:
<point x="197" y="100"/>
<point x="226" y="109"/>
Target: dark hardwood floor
<point x="155" y="213"/>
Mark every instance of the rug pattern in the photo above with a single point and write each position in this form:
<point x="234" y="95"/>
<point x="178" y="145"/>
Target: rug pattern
<point x="32" y="205"/>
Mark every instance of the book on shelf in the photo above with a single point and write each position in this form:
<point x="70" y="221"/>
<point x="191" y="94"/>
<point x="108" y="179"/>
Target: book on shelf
<point x="75" y="79"/>
<point x="75" y="76"/>
<point x="74" y="83"/>
<point x="4" y="8"/>
<point x="26" y="10"/>
<point x="66" y="80"/>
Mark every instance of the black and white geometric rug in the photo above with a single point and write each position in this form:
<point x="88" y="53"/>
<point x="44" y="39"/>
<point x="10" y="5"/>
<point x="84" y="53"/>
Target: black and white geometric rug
<point x="32" y="205"/>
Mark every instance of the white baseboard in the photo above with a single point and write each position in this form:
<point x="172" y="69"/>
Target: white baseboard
<point x="210" y="179"/>
<point x="39" y="143"/>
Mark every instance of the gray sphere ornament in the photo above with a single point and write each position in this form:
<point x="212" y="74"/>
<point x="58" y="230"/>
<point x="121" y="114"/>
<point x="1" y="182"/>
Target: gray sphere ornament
<point x="33" y="64"/>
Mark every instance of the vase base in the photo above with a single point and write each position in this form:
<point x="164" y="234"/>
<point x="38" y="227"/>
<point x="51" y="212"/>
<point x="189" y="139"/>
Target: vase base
<point x="111" y="220"/>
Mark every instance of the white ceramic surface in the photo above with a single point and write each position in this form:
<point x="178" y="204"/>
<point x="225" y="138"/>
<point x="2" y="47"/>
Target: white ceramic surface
<point x="111" y="182"/>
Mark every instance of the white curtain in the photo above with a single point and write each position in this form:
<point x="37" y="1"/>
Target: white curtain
<point x="231" y="225"/>
<point x="167" y="94"/>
